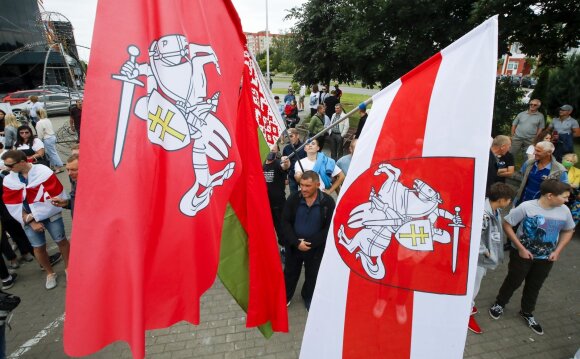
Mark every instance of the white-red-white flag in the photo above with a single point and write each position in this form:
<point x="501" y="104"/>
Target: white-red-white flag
<point x="397" y="275"/>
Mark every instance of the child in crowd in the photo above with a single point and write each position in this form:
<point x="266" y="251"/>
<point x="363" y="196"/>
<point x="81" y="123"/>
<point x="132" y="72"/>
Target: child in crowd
<point x="491" y="244"/>
<point x="545" y="228"/>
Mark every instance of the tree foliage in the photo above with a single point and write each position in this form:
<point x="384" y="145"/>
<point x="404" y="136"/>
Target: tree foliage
<point x="379" y="41"/>
<point x="559" y="86"/>
<point x="315" y="42"/>
<point x="545" y="28"/>
<point x="507" y="105"/>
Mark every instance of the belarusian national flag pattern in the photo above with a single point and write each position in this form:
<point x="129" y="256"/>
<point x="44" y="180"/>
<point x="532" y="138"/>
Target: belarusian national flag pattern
<point x="395" y="278"/>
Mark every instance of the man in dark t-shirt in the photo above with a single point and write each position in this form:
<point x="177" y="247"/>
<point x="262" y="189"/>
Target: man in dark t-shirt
<point x="275" y="173"/>
<point x="75" y="118"/>
<point x="505" y="167"/>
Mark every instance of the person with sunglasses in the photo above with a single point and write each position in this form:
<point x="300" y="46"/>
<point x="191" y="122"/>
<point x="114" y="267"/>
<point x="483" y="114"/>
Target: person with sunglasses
<point x="27" y="193"/>
<point x="525" y="127"/>
<point x="30" y="145"/>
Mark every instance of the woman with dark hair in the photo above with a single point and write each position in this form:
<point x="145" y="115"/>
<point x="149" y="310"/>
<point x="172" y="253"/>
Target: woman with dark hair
<point x="30" y="145"/>
<point x="544" y="135"/>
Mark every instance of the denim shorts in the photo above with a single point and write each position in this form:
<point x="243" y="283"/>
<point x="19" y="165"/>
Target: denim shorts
<point x="54" y="227"/>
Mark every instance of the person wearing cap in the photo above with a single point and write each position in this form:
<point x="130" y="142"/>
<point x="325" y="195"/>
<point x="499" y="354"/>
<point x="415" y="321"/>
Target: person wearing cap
<point x="567" y="128"/>
<point x="275" y="172"/>
<point x="291" y="147"/>
<point x="526" y="126"/>
<point x="362" y="109"/>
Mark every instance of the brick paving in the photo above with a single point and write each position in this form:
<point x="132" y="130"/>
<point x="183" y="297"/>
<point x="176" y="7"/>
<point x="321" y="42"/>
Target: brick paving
<point x="37" y="324"/>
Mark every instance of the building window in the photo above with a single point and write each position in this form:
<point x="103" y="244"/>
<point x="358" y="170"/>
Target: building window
<point x="512" y="66"/>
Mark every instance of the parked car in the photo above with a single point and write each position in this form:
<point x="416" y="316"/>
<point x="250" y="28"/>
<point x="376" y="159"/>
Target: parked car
<point x="60" y="89"/>
<point x="54" y="104"/>
<point x="526" y="82"/>
<point x="17" y="97"/>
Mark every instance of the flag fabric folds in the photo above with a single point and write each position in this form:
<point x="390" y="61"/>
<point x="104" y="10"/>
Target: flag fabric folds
<point x="249" y="265"/>
<point x="160" y="158"/>
<point x="395" y="280"/>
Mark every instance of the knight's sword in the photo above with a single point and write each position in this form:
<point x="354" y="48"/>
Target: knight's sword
<point x="124" y="107"/>
<point x="455" y="239"/>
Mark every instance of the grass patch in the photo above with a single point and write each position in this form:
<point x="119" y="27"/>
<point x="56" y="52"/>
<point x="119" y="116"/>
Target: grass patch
<point x="350" y="101"/>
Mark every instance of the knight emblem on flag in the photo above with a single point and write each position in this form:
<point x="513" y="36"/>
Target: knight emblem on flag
<point x="413" y="213"/>
<point x="178" y="111"/>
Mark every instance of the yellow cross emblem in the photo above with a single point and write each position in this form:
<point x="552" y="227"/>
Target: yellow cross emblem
<point x="156" y="120"/>
<point x="414" y="235"/>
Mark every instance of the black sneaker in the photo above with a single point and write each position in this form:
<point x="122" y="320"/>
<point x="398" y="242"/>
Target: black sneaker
<point x="535" y="326"/>
<point x="7" y="284"/>
<point x="495" y="311"/>
<point x="54" y="259"/>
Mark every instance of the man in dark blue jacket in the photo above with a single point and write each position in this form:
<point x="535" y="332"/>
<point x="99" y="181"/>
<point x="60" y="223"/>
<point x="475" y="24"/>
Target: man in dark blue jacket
<point x="305" y="221"/>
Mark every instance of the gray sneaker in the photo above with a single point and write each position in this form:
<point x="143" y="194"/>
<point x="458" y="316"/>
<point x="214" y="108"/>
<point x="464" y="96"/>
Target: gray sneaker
<point x="51" y="281"/>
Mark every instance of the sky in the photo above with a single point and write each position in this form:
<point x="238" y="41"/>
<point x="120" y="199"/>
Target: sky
<point x="81" y="14"/>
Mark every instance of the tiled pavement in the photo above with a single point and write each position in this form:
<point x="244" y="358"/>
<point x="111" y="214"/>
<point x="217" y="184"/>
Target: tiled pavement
<point x="37" y="323"/>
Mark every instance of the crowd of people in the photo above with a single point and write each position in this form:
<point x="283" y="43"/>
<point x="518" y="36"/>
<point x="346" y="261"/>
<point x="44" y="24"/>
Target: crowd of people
<point x="533" y="221"/>
<point x="32" y="198"/>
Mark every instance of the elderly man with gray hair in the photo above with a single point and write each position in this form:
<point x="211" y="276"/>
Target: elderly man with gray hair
<point x="543" y="166"/>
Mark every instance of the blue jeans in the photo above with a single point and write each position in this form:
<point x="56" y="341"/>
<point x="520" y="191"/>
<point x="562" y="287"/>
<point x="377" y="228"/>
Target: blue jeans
<point x="50" y="150"/>
<point x="55" y="228"/>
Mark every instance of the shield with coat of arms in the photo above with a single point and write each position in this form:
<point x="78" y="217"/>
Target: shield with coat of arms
<point x="416" y="235"/>
<point x="166" y="125"/>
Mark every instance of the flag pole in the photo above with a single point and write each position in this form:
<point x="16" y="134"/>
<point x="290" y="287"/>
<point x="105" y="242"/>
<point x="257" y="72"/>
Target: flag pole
<point x="350" y="113"/>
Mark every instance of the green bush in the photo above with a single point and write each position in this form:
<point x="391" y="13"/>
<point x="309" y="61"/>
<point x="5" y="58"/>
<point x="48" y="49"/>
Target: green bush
<point x="506" y="106"/>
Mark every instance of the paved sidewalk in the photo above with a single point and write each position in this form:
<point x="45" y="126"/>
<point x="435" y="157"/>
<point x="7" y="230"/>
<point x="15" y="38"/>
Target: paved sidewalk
<point x="37" y="324"/>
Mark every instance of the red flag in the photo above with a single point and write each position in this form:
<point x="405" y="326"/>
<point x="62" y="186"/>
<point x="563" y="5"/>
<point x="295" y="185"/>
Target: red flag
<point x="159" y="160"/>
<point x="267" y="295"/>
<point x="394" y="280"/>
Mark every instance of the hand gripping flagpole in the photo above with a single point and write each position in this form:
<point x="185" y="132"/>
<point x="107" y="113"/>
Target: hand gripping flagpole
<point x="125" y="107"/>
<point x="350" y="113"/>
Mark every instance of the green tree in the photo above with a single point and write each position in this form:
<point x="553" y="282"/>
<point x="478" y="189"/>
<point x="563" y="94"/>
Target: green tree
<point x="386" y="39"/>
<point x="506" y="106"/>
<point x="545" y="28"/>
<point x="378" y="41"/>
<point x="315" y="42"/>
<point x="559" y="86"/>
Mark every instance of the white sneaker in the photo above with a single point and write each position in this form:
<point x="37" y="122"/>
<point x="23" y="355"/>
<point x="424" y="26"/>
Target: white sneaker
<point x="51" y="281"/>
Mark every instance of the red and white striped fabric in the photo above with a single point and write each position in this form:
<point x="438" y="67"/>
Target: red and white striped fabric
<point x="42" y="185"/>
<point x="397" y="276"/>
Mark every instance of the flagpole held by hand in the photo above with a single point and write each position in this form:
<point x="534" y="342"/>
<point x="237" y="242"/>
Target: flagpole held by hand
<point x="350" y="113"/>
<point x="125" y="106"/>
